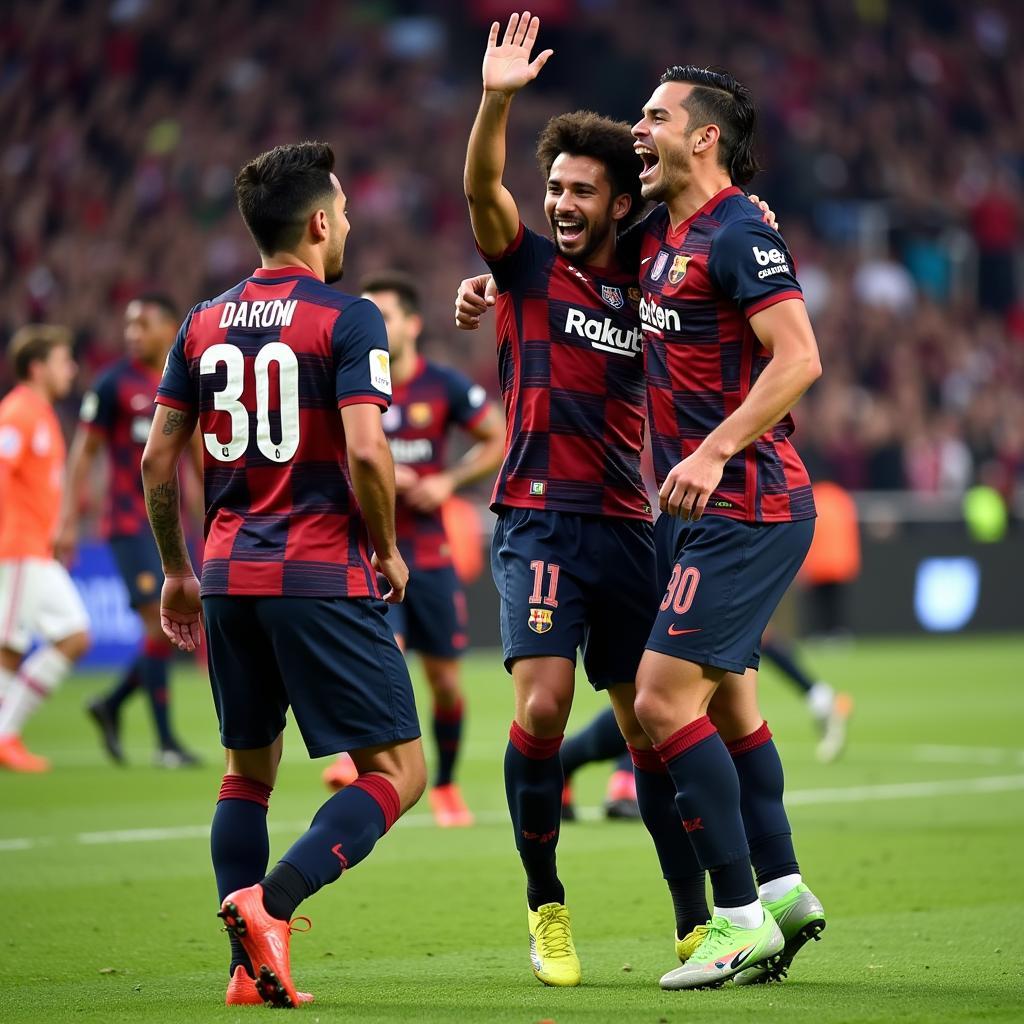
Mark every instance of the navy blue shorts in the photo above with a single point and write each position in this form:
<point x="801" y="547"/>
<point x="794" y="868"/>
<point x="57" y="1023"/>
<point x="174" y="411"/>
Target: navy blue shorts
<point x="570" y="581"/>
<point x="333" y="660"/>
<point x="724" y="579"/>
<point x="138" y="562"/>
<point x="432" y="618"/>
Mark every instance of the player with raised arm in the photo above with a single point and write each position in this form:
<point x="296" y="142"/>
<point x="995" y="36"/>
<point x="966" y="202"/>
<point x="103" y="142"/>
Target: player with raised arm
<point x="427" y="402"/>
<point x="115" y="417"/>
<point x="38" y="601"/>
<point x="730" y="350"/>
<point x="287" y="379"/>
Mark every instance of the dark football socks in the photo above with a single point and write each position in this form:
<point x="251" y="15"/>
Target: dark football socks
<point x="447" y="736"/>
<point x="152" y="668"/>
<point x="342" y="833"/>
<point x="239" y="844"/>
<point x="127" y="685"/>
<point x="656" y="795"/>
<point x="759" y="769"/>
<point x="782" y="657"/>
<point x="533" y="786"/>
<point x="708" y="799"/>
<point x="599" y="740"/>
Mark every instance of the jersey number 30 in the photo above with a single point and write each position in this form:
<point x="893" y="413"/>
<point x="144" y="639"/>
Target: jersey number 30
<point x="227" y="400"/>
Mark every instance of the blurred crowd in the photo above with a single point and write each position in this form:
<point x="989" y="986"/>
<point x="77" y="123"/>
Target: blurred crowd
<point x="892" y="133"/>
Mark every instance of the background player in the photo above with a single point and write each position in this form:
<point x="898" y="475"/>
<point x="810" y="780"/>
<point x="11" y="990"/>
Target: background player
<point x="37" y="598"/>
<point x="288" y="378"/>
<point x="738" y="510"/>
<point x="427" y="400"/>
<point x="115" y="418"/>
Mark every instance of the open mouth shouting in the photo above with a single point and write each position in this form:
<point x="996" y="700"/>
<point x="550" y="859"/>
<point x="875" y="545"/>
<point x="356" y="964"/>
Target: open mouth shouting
<point x="569" y="230"/>
<point x="650" y="160"/>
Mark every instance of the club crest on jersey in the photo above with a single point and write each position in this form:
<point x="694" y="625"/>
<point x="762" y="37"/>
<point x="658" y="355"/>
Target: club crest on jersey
<point x="540" y="619"/>
<point x="612" y="295"/>
<point x="678" y="269"/>
<point x="659" y="265"/>
<point x="420" y="414"/>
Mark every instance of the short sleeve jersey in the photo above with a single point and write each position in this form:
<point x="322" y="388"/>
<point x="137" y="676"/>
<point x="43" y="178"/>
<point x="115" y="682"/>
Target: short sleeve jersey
<point x="120" y="408"/>
<point x="701" y="282"/>
<point x="267" y="365"/>
<point x="423" y="411"/>
<point x="570" y="362"/>
<point x="32" y="456"/>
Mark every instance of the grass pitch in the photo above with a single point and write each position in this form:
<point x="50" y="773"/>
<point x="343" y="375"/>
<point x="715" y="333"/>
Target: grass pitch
<point x="913" y="842"/>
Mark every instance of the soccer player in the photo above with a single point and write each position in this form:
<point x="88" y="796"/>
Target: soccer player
<point x="730" y="350"/>
<point x="115" y="417"/>
<point x="287" y="379"/>
<point x="572" y="553"/>
<point x="37" y="598"/>
<point x="428" y="400"/>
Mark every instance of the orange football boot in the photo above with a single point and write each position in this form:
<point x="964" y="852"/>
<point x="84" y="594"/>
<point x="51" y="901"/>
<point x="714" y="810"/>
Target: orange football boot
<point x="242" y="991"/>
<point x="266" y="940"/>
<point x="450" y="810"/>
<point x="341" y="772"/>
<point x="13" y="755"/>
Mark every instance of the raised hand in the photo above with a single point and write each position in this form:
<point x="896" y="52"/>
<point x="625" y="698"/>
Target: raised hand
<point x="507" y="68"/>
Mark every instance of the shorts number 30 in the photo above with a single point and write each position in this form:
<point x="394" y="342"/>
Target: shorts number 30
<point x="682" y="588"/>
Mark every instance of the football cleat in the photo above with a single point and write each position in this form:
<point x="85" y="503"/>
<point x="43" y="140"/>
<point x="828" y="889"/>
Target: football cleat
<point x="341" y="772"/>
<point x="834" y="728"/>
<point x="16" y="758"/>
<point x="174" y="756"/>
<point x="726" y="950"/>
<point x="687" y="945"/>
<point x="450" y="810"/>
<point x="552" y="953"/>
<point x="800" y="917"/>
<point x="266" y="940"/>
<point x="242" y="991"/>
<point x="109" y="725"/>
<point x="620" y="797"/>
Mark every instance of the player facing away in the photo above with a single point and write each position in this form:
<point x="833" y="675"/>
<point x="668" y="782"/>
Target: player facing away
<point x="287" y="379"/>
<point x="572" y="553"/>
<point x="115" y="417"/>
<point x="38" y="601"/>
<point x="730" y="350"/>
<point x="429" y="400"/>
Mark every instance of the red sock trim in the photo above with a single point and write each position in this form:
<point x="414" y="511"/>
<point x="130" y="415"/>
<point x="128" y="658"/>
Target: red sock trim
<point x="238" y="787"/>
<point x="687" y="737"/>
<point x="449" y="716"/>
<point x="386" y="796"/>
<point x="758" y="738"/>
<point x="647" y="761"/>
<point x="533" y="747"/>
<point x="156" y="648"/>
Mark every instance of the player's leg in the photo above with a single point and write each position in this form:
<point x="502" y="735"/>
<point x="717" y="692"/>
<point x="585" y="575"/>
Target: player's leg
<point x="599" y="740"/>
<point x="51" y="608"/>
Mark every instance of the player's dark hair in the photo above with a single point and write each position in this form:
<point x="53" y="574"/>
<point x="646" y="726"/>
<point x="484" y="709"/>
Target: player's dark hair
<point x="34" y="343"/>
<point x="402" y="285"/>
<point x="584" y="133"/>
<point x="717" y="98"/>
<point x="162" y="301"/>
<point x="278" y="190"/>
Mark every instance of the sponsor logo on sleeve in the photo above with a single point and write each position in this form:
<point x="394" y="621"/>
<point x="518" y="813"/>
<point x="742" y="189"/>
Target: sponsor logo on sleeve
<point x="772" y="260"/>
<point x="380" y="370"/>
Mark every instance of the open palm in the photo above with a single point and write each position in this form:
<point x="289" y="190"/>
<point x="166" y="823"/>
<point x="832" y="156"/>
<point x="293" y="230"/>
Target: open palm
<point x="507" y="68"/>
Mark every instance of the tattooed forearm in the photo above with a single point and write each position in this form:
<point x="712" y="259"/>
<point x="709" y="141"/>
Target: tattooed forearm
<point x="165" y="519"/>
<point x="175" y="420"/>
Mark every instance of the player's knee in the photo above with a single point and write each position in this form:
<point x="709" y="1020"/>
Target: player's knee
<point x="545" y="713"/>
<point x="443" y="678"/>
<point x="75" y="646"/>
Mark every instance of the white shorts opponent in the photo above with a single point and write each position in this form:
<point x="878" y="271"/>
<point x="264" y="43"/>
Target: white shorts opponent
<point x="38" y="600"/>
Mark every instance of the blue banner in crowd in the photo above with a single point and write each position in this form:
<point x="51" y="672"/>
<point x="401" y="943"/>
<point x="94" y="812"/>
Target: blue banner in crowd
<point x="116" y="629"/>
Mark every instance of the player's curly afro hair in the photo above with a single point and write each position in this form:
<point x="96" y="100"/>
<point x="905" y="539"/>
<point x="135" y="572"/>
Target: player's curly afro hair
<point x="584" y="133"/>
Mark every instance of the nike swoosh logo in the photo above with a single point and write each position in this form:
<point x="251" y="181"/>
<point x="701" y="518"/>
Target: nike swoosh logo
<point x="672" y="631"/>
<point x="646" y="259"/>
<point x="741" y="957"/>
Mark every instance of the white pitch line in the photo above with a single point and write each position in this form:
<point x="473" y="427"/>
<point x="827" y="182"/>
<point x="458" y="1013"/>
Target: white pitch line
<point x="935" y="754"/>
<point x="795" y="798"/>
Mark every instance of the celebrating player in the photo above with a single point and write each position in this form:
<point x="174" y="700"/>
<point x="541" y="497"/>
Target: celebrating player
<point x="116" y="415"/>
<point x="288" y="378"/>
<point x="37" y="598"/>
<point x="429" y="399"/>
<point x="730" y="350"/>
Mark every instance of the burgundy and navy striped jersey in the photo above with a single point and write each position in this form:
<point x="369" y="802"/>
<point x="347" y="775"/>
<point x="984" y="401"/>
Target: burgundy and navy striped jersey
<point x="701" y="282"/>
<point x="268" y="365"/>
<point x="120" y="409"/>
<point x="423" y="410"/>
<point x="570" y="361"/>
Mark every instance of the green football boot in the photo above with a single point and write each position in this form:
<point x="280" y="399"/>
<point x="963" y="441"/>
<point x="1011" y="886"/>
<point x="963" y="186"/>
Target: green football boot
<point x="801" y="918"/>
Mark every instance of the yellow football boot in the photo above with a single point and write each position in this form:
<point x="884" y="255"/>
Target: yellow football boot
<point x="552" y="952"/>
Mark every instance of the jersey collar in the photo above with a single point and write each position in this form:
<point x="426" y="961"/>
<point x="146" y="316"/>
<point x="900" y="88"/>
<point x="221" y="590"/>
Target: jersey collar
<point x="731" y="190"/>
<point x="280" y="273"/>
